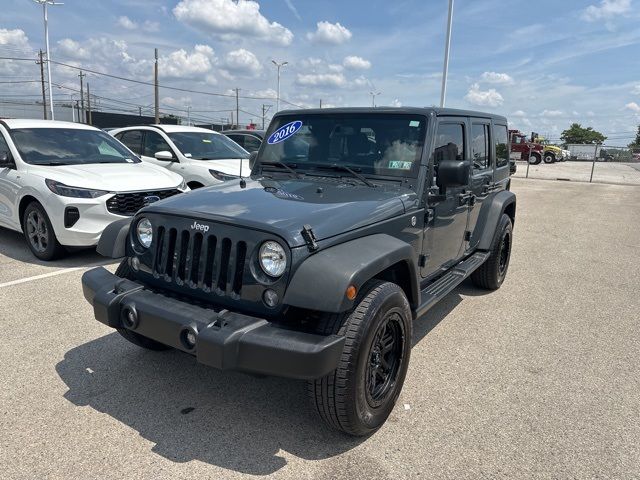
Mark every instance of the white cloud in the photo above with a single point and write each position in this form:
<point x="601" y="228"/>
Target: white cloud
<point x="242" y="61"/>
<point x="72" y="49"/>
<point x="149" y="26"/>
<point x="487" y="98"/>
<point x="126" y="23"/>
<point x="396" y="103"/>
<point x="335" y="68"/>
<point x="636" y="90"/>
<point x="266" y="93"/>
<point x="15" y="37"/>
<point x="322" y="79"/>
<point x="361" y="82"/>
<point x="496" y="78"/>
<point x="231" y="20"/>
<point x="606" y="10"/>
<point x="518" y="113"/>
<point x="311" y="62"/>
<point x="354" y="62"/>
<point x="633" y="106"/>
<point x="183" y="64"/>
<point x="552" y="113"/>
<point x="331" y="33"/>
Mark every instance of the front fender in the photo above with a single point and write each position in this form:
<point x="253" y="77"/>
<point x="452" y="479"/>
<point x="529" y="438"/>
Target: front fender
<point x="113" y="241"/>
<point x="321" y="281"/>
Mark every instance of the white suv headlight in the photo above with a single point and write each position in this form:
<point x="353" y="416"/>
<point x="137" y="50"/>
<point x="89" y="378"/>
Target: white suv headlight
<point x="273" y="259"/>
<point x="144" y="230"/>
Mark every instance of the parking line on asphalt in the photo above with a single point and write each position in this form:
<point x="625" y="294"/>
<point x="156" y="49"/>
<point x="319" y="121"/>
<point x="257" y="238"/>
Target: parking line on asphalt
<point x="50" y="274"/>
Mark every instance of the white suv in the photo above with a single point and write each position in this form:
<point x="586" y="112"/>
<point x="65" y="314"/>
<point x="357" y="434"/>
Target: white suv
<point x="62" y="183"/>
<point x="203" y="157"/>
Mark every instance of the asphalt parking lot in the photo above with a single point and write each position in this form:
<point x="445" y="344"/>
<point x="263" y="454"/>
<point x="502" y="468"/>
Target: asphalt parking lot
<point x="540" y="379"/>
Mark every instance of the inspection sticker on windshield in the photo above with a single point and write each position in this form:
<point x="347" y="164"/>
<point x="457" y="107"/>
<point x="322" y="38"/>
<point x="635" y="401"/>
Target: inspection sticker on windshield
<point x="284" y="132"/>
<point x="399" y="165"/>
<point x="414" y="123"/>
<point x="206" y="140"/>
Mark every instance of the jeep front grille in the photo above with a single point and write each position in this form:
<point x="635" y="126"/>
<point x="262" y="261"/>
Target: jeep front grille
<point x="128" y="204"/>
<point x="200" y="260"/>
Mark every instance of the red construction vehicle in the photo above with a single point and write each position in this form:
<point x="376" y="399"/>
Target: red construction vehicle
<point x="523" y="148"/>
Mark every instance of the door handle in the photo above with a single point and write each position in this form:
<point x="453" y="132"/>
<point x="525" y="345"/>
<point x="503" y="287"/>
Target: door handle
<point x="464" y="198"/>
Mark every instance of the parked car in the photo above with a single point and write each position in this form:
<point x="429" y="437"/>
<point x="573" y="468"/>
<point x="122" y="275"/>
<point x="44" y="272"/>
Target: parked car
<point x="354" y="223"/>
<point x="250" y="140"/>
<point x="62" y="183"/>
<point x="203" y="157"/>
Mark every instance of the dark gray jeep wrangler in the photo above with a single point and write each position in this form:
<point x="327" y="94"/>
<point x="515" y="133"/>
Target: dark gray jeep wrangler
<point x="353" y="223"/>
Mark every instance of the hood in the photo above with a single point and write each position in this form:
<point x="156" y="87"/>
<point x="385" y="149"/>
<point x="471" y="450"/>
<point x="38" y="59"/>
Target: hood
<point x="284" y="207"/>
<point x="117" y="177"/>
<point x="229" y="167"/>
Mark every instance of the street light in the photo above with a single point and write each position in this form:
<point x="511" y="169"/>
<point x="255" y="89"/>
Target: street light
<point x="374" y="94"/>
<point x="278" y="65"/>
<point x="44" y="4"/>
<point x="447" y="48"/>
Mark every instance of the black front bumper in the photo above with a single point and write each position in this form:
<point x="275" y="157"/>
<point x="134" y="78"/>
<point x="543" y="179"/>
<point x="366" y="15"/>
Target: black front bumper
<point x="225" y="340"/>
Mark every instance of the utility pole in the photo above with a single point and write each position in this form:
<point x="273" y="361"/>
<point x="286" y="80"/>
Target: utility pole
<point x="89" y="103"/>
<point x="155" y="87"/>
<point x="238" y="106"/>
<point x="139" y="111"/>
<point x="44" y="96"/>
<point x="278" y="66"/>
<point x="84" y="117"/>
<point x="320" y="103"/>
<point x="447" y="48"/>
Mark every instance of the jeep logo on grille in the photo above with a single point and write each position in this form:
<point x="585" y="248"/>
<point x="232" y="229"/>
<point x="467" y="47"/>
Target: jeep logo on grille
<point x="199" y="226"/>
<point x="149" y="199"/>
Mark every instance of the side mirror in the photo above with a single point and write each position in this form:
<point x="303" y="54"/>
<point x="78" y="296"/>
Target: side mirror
<point x="6" y="161"/>
<point x="252" y="159"/>
<point x="453" y="173"/>
<point x="165" y="156"/>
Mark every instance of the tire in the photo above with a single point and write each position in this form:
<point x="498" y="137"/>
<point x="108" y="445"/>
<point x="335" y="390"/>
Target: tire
<point x="493" y="271"/>
<point x="344" y="399"/>
<point x="124" y="271"/>
<point x="535" y="159"/>
<point x="549" y="158"/>
<point x="38" y="231"/>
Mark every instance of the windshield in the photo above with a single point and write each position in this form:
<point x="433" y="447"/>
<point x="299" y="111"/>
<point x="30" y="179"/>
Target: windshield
<point x="207" y="146"/>
<point x="69" y="146"/>
<point x="370" y="143"/>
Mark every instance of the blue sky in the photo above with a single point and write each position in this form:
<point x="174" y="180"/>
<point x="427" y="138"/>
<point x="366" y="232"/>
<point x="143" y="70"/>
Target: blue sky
<point x="543" y="65"/>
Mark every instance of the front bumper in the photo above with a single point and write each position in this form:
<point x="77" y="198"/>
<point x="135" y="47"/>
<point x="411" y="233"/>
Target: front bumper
<point x="225" y="340"/>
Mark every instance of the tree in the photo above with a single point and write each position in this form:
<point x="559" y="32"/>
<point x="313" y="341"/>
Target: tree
<point x="576" y="133"/>
<point x="636" y="143"/>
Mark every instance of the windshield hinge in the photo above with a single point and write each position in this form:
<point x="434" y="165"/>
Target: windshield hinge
<point x="309" y="237"/>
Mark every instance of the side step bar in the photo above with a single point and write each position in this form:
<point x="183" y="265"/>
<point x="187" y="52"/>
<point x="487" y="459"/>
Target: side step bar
<point x="436" y="291"/>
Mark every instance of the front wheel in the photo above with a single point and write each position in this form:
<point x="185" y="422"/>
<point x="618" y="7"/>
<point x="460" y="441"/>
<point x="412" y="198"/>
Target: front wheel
<point x="549" y="158"/>
<point x="359" y="395"/>
<point x="39" y="233"/>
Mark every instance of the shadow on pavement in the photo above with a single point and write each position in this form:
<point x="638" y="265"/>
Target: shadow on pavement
<point x="192" y="412"/>
<point x="13" y="245"/>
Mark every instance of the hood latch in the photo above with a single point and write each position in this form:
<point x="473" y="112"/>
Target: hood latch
<point x="310" y="238"/>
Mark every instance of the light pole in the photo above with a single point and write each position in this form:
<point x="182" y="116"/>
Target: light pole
<point x="447" y="48"/>
<point x="44" y="4"/>
<point x="278" y="65"/>
<point x="374" y="94"/>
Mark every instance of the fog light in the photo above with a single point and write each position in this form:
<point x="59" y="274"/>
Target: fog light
<point x="129" y="317"/>
<point x="189" y="337"/>
<point x="270" y="298"/>
<point x="135" y="263"/>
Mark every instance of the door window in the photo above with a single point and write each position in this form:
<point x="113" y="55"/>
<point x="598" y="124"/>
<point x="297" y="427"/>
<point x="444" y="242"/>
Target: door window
<point x="132" y="139"/>
<point x="502" y="147"/>
<point x="251" y="143"/>
<point x="239" y="139"/>
<point x="480" y="146"/>
<point x="449" y="144"/>
<point x="153" y="143"/>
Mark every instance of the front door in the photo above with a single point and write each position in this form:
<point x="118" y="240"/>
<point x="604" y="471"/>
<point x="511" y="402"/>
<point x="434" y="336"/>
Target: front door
<point x="444" y="235"/>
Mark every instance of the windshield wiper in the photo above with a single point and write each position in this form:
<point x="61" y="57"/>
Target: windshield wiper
<point x="344" y="168"/>
<point x="283" y="165"/>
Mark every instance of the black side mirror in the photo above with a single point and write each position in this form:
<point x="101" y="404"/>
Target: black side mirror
<point x="6" y="161"/>
<point x="453" y="173"/>
<point x="252" y="159"/>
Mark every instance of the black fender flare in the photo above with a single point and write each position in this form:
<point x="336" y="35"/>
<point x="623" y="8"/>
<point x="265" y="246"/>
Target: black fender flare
<point x="502" y="202"/>
<point x="320" y="282"/>
<point x="113" y="241"/>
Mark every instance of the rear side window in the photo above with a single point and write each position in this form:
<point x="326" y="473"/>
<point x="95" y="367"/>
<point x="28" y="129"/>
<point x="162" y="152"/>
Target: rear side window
<point x="132" y="139"/>
<point x="501" y="136"/>
<point x="449" y="142"/>
<point x="251" y="143"/>
<point x="480" y="146"/>
<point x="239" y="139"/>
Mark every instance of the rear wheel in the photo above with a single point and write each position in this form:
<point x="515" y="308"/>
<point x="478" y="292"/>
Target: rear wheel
<point x="535" y="159"/>
<point x="124" y="271"/>
<point x="39" y="233"/>
<point x="493" y="271"/>
<point x="549" y="158"/>
<point x="359" y="395"/>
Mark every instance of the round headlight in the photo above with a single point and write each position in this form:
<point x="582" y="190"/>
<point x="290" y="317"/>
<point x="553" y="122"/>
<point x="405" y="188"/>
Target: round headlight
<point x="145" y="232"/>
<point x="273" y="259"/>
